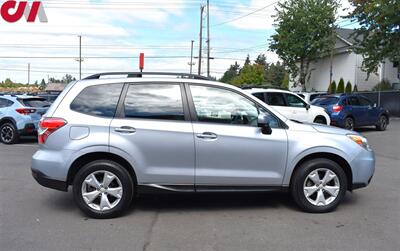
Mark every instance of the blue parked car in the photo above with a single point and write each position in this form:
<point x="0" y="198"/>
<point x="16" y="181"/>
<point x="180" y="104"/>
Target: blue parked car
<point x="353" y="110"/>
<point x="19" y="116"/>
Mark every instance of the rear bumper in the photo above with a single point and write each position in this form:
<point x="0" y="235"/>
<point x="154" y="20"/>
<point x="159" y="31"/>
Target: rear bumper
<point x="29" y="129"/>
<point x="48" y="182"/>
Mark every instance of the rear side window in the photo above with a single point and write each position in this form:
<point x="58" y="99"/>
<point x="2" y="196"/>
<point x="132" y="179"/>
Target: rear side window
<point x="5" y="103"/>
<point x="34" y="102"/>
<point x="98" y="100"/>
<point x="326" y="101"/>
<point x="260" y="96"/>
<point x="353" y="101"/>
<point x="154" y="101"/>
<point x="276" y="99"/>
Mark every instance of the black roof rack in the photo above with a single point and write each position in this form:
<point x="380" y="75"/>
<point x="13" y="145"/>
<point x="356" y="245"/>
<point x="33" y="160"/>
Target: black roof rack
<point x="140" y="74"/>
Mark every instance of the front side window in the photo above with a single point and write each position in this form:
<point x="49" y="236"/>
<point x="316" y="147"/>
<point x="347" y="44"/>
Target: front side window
<point x="365" y="102"/>
<point x="217" y="105"/>
<point x="275" y="99"/>
<point x="98" y="100"/>
<point x="154" y="101"/>
<point x="294" y="101"/>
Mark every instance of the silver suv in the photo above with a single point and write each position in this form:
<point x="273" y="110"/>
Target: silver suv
<point x="113" y="136"/>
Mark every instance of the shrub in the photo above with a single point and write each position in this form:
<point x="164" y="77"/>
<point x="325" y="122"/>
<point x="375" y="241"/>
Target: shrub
<point x="348" y="87"/>
<point x="355" y="88"/>
<point x="340" y="87"/>
<point x="332" y="87"/>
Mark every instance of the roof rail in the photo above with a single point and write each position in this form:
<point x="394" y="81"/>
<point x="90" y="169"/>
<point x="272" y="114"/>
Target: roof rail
<point x="140" y="74"/>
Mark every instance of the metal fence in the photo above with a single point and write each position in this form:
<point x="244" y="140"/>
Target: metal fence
<point x="390" y="100"/>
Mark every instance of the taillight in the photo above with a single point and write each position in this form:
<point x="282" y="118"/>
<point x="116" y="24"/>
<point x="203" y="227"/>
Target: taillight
<point x="25" y="111"/>
<point x="47" y="126"/>
<point x="337" y="108"/>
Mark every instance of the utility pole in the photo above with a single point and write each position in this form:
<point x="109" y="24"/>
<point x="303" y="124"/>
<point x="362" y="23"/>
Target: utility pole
<point x="191" y="58"/>
<point x="80" y="57"/>
<point x="208" y="38"/>
<point x="29" y="73"/>
<point x="201" y="37"/>
<point x="331" y="58"/>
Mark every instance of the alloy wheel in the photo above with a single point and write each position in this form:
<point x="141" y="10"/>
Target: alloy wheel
<point x="349" y="124"/>
<point x="7" y="134"/>
<point x="102" y="190"/>
<point x="321" y="187"/>
<point x="383" y="122"/>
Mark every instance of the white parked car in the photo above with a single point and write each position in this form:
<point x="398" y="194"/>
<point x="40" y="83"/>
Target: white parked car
<point x="291" y="105"/>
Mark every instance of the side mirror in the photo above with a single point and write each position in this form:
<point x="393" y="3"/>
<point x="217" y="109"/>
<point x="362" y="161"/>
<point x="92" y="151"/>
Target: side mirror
<point x="308" y="106"/>
<point x="263" y="123"/>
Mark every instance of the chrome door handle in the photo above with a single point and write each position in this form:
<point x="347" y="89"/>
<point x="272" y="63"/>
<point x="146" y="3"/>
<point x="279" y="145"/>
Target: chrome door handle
<point x="125" y="129"/>
<point x="207" y="135"/>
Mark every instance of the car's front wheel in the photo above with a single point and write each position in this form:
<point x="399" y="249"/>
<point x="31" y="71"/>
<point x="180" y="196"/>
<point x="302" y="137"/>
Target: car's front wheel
<point x="382" y="124"/>
<point x="103" y="189"/>
<point x="8" y="133"/>
<point x="318" y="185"/>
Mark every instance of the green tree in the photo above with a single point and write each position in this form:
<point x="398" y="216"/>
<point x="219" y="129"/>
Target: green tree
<point x="382" y="86"/>
<point x="231" y="73"/>
<point x="304" y="31"/>
<point x="250" y="74"/>
<point x="67" y="79"/>
<point x="247" y="61"/>
<point x="378" y="36"/>
<point x="348" y="87"/>
<point x="285" y="82"/>
<point x="355" y="88"/>
<point x="275" y="74"/>
<point x="8" y="82"/>
<point x="340" y="87"/>
<point x="42" y="85"/>
<point x="332" y="87"/>
<point x="261" y="60"/>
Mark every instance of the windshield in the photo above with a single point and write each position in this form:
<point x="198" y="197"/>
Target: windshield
<point x="34" y="102"/>
<point x="325" y="101"/>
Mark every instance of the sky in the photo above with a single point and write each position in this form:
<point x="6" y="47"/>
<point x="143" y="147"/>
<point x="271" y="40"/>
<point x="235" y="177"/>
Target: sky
<point x="115" y="32"/>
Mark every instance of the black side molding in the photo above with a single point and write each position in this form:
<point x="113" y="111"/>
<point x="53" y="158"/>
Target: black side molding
<point x="48" y="182"/>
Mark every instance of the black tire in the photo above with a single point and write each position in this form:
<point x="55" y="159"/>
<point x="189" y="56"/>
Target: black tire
<point x="382" y="123"/>
<point x="320" y="120"/>
<point x="117" y="170"/>
<point x="299" y="178"/>
<point x="349" y="123"/>
<point x="9" y="133"/>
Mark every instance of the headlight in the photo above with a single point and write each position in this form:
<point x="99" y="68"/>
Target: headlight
<point x="360" y="140"/>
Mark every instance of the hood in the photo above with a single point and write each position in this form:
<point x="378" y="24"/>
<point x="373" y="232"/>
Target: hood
<point x="331" y="129"/>
<point x="308" y="127"/>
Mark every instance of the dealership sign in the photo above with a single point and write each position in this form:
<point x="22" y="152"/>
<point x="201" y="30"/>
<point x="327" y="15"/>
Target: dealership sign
<point x="12" y="11"/>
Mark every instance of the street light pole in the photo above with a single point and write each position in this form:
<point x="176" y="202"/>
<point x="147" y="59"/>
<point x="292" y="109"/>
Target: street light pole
<point x="201" y="37"/>
<point x="208" y="38"/>
<point x="80" y="57"/>
<point x="191" y="58"/>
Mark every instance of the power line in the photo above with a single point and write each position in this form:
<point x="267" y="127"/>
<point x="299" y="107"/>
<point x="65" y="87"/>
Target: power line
<point x="246" y="15"/>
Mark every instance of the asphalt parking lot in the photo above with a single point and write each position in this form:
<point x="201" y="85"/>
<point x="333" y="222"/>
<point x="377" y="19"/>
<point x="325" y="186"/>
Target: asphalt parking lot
<point x="36" y="218"/>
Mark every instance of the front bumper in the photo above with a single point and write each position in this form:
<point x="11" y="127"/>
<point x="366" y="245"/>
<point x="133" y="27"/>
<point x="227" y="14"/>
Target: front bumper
<point x="363" y="168"/>
<point x="48" y="182"/>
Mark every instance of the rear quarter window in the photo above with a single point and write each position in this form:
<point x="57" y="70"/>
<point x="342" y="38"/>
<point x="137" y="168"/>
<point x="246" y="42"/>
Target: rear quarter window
<point x="98" y="100"/>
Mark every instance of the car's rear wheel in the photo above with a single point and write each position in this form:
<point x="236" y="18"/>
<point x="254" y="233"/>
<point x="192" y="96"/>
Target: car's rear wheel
<point x="349" y="123"/>
<point x="319" y="185"/>
<point x="103" y="189"/>
<point x="382" y="124"/>
<point x="8" y="133"/>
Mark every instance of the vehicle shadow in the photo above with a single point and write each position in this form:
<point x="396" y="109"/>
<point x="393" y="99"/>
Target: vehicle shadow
<point x="212" y="201"/>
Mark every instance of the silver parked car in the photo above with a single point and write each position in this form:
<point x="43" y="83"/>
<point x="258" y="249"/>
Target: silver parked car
<point x="111" y="138"/>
